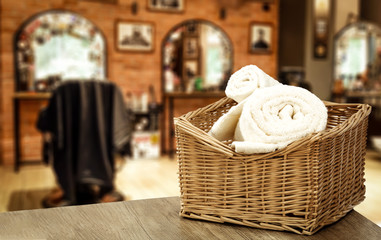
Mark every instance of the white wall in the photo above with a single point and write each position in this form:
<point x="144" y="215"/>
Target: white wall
<point x="342" y="9"/>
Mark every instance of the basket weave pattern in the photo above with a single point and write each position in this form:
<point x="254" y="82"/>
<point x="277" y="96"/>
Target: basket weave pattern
<point x="311" y="183"/>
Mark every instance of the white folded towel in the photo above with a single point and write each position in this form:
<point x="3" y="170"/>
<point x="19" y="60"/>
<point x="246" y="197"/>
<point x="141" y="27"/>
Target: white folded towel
<point x="245" y="81"/>
<point x="224" y="127"/>
<point x="240" y="85"/>
<point x="274" y="117"/>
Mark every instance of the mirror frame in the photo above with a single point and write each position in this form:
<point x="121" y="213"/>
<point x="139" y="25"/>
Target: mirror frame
<point x="183" y="23"/>
<point x="31" y="19"/>
<point x="335" y="42"/>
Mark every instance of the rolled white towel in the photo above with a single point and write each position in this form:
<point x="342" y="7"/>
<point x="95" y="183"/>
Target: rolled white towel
<point x="274" y="117"/>
<point x="224" y="127"/>
<point x="245" y="81"/>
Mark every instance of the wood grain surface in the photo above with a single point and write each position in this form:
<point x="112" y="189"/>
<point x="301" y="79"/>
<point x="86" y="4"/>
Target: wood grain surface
<point x="154" y="219"/>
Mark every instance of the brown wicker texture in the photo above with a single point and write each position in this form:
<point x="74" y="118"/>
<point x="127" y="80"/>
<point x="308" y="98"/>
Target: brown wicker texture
<point x="311" y="183"/>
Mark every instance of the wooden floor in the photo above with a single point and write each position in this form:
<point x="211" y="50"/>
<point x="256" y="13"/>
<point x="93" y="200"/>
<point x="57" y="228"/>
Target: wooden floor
<point x="149" y="178"/>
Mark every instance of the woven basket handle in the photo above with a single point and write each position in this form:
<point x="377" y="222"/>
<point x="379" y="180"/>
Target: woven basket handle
<point x="363" y="112"/>
<point x="209" y="141"/>
<point x="328" y="103"/>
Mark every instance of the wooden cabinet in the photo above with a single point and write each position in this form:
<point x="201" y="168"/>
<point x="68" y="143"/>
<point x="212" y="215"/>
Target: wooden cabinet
<point x="24" y="101"/>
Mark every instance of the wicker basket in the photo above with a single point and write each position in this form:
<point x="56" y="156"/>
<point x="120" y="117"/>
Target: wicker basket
<point x="311" y="183"/>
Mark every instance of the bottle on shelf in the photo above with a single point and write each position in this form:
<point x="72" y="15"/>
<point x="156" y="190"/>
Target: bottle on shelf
<point x="153" y="110"/>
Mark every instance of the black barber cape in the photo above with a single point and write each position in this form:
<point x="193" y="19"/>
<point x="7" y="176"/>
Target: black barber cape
<point x="89" y="123"/>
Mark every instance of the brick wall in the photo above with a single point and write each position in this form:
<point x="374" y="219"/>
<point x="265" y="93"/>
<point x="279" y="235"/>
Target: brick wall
<point x="131" y="71"/>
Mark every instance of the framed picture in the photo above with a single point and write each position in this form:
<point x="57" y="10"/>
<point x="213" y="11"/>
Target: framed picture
<point x="134" y="36"/>
<point x="190" y="69"/>
<point x="190" y="48"/>
<point x="166" y="5"/>
<point x="190" y="72"/>
<point x="322" y="12"/>
<point x="191" y="29"/>
<point x="261" y="38"/>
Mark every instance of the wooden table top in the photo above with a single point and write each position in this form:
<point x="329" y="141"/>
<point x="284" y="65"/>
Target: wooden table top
<point x="32" y="95"/>
<point x="154" y="219"/>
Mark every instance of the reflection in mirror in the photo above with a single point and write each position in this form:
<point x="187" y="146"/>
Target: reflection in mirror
<point x="55" y="46"/>
<point x="197" y="56"/>
<point x="357" y="62"/>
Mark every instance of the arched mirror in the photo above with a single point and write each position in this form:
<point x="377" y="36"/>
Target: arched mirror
<point x="357" y="69"/>
<point x="54" y="46"/>
<point x="357" y="58"/>
<point x="197" y="56"/>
